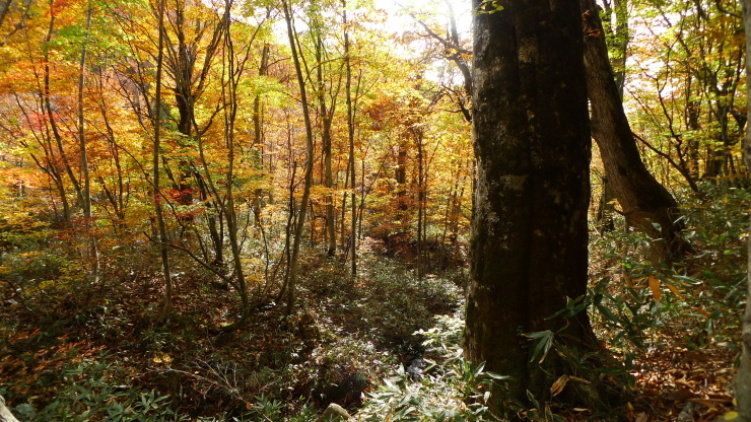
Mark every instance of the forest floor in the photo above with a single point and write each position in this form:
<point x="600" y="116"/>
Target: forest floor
<point x="84" y="350"/>
<point x="674" y="383"/>
<point x="76" y="350"/>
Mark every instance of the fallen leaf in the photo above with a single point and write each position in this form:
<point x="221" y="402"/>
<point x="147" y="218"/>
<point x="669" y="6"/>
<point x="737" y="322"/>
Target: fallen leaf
<point x="559" y="385"/>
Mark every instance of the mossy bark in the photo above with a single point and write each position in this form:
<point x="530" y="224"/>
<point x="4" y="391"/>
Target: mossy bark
<point x="529" y="235"/>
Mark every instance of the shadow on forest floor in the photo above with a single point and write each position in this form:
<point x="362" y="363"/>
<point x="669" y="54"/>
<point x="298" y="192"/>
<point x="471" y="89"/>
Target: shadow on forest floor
<point x="77" y="351"/>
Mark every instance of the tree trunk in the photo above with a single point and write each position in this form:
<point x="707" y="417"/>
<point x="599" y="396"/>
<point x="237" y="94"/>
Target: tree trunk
<point x="605" y="208"/>
<point x="619" y="37"/>
<point x="5" y="415"/>
<point x="86" y="193"/>
<point x="84" y="158"/>
<point x="230" y="117"/>
<point x="299" y="224"/>
<point x="326" y="116"/>
<point x="646" y="204"/>
<point x="743" y="378"/>
<point x="163" y="250"/>
<point x="351" y="141"/>
<point x="417" y="133"/>
<point x="49" y="110"/>
<point x="529" y="228"/>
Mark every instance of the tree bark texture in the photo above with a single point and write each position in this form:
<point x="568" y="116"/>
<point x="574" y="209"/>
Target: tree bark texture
<point x="646" y="204"/>
<point x="529" y="228"/>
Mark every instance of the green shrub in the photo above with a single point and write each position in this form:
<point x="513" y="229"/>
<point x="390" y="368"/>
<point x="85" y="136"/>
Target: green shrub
<point x="452" y="389"/>
<point x="93" y="390"/>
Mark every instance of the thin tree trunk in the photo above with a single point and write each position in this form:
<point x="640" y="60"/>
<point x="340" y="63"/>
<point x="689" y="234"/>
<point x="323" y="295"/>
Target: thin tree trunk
<point x="86" y="196"/>
<point x="47" y="95"/>
<point x="645" y="203"/>
<point x="421" y="187"/>
<point x="619" y="39"/>
<point x="156" y="158"/>
<point x="605" y="207"/>
<point x="230" y="99"/>
<point x="326" y="114"/>
<point x="300" y="224"/>
<point x="351" y="141"/>
<point x="86" y="190"/>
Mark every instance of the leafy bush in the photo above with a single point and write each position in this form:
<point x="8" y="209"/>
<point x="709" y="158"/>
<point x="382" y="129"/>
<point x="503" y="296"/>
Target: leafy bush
<point x="396" y="303"/>
<point x="93" y="390"/>
<point x="340" y="371"/>
<point x="452" y="390"/>
<point x="638" y="304"/>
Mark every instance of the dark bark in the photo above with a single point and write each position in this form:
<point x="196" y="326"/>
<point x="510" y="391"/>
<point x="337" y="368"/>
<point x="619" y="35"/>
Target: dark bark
<point x="529" y="228"/>
<point x="605" y="208"/>
<point x="646" y="204"/>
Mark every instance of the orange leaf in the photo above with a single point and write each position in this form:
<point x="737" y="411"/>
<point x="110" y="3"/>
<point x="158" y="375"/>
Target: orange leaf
<point x="559" y="385"/>
<point x="654" y="285"/>
<point x="702" y="311"/>
<point x="675" y="291"/>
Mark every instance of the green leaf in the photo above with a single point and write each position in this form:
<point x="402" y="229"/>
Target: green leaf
<point x="497" y="376"/>
<point x="532" y="399"/>
<point x="607" y="313"/>
<point x="544" y="343"/>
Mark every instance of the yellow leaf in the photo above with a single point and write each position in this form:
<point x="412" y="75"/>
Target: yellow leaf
<point x="730" y="416"/>
<point x="654" y="285"/>
<point x="164" y="358"/>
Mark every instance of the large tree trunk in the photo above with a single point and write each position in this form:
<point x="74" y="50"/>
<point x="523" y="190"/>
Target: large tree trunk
<point x="743" y="378"/>
<point x="646" y="204"/>
<point x="529" y="228"/>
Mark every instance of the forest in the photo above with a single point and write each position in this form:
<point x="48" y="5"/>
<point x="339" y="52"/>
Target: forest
<point x="373" y="210"/>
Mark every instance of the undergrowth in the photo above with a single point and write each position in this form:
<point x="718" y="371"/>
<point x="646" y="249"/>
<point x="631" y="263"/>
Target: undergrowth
<point x="74" y="348"/>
